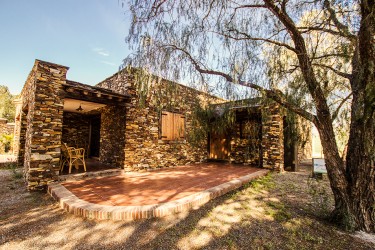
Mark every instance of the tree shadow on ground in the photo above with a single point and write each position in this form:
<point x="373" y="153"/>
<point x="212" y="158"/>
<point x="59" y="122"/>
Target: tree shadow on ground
<point x="257" y="216"/>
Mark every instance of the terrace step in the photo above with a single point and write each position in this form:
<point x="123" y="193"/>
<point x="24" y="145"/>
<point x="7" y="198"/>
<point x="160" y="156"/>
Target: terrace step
<point x="88" y="175"/>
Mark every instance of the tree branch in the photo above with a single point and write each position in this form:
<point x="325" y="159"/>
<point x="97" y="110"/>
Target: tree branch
<point x="156" y="9"/>
<point x="248" y="37"/>
<point x="336" y="112"/>
<point x="275" y="94"/>
<point x="333" y="32"/>
<point x="331" y="55"/>
<point x="337" y="72"/>
<point x="343" y="29"/>
<point x="323" y="112"/>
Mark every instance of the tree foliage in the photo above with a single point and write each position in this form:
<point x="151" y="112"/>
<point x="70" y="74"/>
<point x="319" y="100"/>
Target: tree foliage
<point x="7" y="107"/>
<point x="316" y="58"/>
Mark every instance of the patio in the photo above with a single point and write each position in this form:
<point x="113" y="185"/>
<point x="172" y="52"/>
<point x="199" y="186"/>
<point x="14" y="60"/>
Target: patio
<point x="136" y="195"/>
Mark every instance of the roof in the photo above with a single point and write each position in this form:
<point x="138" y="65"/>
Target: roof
<point x="239" y="104"/>
<point x="51" y="64"/>
<point x="94" y="89"/>
<point x="133" y="70"/>
<point x="80" y="91"/>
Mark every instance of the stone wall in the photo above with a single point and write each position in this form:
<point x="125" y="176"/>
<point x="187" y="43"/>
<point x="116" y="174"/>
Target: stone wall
<point x="112" y="135"/>
<point x="76" y="130"/>
<point x="41" y="123"/>
<point x="246" y="148"/>
<point x="144" y="147"/>
<point x="272" y="137"/>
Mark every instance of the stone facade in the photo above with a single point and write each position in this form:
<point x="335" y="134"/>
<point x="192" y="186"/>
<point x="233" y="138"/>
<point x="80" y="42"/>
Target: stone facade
<point x="112" y="135"/>
<point x="246" y="141"/>
<point x="131" y="131"/>
<point x="76" y="130"/>
<point x="272" y="137"/>
<point x="40" y="124"/>
<point x="144" y="147"/>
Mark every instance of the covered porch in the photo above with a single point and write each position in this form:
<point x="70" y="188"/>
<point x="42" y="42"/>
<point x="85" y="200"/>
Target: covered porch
<point x="52" y="111"/>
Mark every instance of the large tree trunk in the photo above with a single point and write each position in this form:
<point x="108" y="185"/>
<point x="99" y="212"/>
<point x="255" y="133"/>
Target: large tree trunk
<point x="354" y="189"/>
<point x="353" y="184"/>
<point x="360" y="169"/>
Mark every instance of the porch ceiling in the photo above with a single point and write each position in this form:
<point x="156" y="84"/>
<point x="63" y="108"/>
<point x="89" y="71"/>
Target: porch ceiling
<point x="71" y="105"/>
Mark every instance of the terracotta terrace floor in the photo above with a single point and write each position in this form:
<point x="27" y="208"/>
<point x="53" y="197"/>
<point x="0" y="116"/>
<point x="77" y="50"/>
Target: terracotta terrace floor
<point x="176" y="188"/>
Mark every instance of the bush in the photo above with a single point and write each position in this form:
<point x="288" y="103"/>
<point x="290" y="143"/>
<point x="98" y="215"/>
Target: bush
<point x="6" y="143"/>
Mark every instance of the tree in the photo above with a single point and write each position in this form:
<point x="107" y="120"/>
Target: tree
<point x="240" y="42"/>
<point x="7" y="107"/>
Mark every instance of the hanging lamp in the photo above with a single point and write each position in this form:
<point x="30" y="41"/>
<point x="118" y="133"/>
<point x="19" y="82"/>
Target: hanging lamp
<point x="79" y="109"/>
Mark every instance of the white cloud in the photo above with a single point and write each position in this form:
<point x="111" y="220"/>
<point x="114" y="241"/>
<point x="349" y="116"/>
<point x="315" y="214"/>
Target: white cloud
<point x="101" y="51"/>
<point x="108" y="63"/>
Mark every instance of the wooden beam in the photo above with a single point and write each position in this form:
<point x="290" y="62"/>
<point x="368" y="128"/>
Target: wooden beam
<point x="70" y="90"/>
<point x="93" y="98"/>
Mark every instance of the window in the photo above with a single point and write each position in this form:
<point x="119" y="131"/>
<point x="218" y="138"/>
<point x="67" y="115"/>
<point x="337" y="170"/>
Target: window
<point x="172" y="126"/>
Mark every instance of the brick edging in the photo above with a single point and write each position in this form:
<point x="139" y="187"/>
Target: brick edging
<point x="72" y="204"/>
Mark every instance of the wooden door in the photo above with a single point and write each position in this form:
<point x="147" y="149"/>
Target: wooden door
<point x="219" y="146"/>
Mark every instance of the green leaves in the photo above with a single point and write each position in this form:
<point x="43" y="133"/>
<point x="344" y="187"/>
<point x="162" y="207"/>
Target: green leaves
<point x="7" y="107"/>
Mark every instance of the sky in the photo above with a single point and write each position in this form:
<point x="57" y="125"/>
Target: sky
<point x="88" y="36"/>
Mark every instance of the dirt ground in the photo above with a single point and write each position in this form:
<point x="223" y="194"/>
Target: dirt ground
<point x="279" y="211"/>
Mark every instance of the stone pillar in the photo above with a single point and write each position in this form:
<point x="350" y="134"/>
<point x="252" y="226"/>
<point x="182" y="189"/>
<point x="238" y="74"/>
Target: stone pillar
<point x="112" y="135"/>
<point x="44" y="123"/>
<point x="272" y="137"/>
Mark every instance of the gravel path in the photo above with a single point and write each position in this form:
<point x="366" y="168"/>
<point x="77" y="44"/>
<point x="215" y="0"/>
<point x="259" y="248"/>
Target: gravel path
<point x="280" y="211"/>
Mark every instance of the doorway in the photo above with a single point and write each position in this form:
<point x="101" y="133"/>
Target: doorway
<point x="94" y="140"/>
<point x="219" y="146"/>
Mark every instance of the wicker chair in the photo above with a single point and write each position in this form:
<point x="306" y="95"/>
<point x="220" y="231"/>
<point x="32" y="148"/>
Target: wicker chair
<point x="72" y="156"/>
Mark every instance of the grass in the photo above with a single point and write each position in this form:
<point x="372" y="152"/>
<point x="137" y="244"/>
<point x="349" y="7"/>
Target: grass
<point x="17" y="172"/>
<point x="264" y="183"/>
<point x="277" y="211"/>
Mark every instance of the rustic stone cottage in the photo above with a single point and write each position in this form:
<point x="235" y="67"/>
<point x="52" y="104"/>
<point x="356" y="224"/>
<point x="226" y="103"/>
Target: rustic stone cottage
<point x="133" y="122"/>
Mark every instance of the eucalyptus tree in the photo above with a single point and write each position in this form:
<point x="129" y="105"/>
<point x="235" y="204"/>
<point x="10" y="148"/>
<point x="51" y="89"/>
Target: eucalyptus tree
<point x="323" y="51"/>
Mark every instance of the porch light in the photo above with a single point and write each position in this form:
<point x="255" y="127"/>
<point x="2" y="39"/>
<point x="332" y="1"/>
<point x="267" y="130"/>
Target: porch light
<point x="79" y="109"/>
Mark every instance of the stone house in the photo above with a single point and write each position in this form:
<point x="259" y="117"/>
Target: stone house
<point x="133" y="122"/>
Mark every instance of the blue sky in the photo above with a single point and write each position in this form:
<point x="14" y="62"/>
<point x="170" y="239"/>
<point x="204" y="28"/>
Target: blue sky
<point x="86" y="35"/>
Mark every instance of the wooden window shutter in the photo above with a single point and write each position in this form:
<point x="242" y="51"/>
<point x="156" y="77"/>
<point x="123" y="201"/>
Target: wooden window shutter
<point x="179" y="126"/>
<point x="172" y="126"/>
<point x="166" y="126"/>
